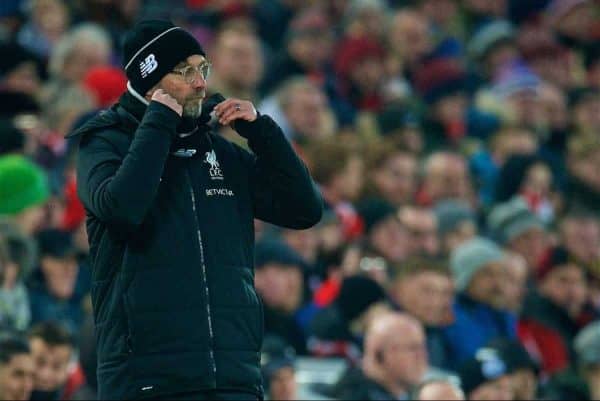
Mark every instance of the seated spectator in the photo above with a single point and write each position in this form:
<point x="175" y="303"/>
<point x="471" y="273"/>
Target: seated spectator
<point x="446" y="176"/>
<point x="421" y="223"/>
<point x="485" y="376"/>
<point x="278" y="369"/>
<point x="479" y="269"/>
<point x="23" y="190"/>
<point x="20" y="70"/>
<point x="518" y="229"/>
<point x="338" y="329"/>
<point x="52" y="348"/>
<point x="439" y="389"/>
<point x="17" y="253"/>
<point x="17" y="369"/>
<point x="456" y="224"/>
<point x="58" y="288"/>
<point x="582" y="380"/>
<point x="584" y="103"/>
<point x="423" y="288"/>
<point x="279" y="281"/>
<point x="392" y="364"/>
<point x="583" y="164"/>
<point x="552" y="315"/>
<point x="523" y="369"/>
<point x="492" y="46"/>
<point x="515" y="283"/>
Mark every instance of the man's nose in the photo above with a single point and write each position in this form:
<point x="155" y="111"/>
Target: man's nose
<point x="199" y="82"/>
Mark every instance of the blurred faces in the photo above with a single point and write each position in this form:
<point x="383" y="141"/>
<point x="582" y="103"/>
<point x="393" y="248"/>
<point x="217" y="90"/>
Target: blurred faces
<point x="304" y="242"/>
<point x="312" y="49"/>
<point x="396" y="179"/>
<point x="427" y="296"/>
<point x="566" y="287"/>
<point x="51" y="364"/>
<point x="581" y="236"/>
<point x="83" y="58"/>
<point x="499" y="389"/>
<point x="450" y="108"/>
<point x="487" y="285"/>
<point x="30" y="219"/>
<point x="495" y="8"/>
<point x="16" y="378"/>
<point x="422" y="226"/>
<point x="283" y="385"/>
<point x="367" y="74"/>
<point x="60" y="275"/>
<point x="238" y="60"/>
<point x="280" y="286"/>
<point x="524" y="384"/>
<point x="24" y="78"/>
<point x="531" y="244"/>
<point x="465" y="231"/>
<point x="410" y="36"/>
<point x="587" y="115"/>
<point x="586" y="169"/>
<point x="515" y="284"/>
<point x="447" y="177"/>
<point x="305" y="112"/>
<point x="390" y="240"/>
<point x="51" y="17"/>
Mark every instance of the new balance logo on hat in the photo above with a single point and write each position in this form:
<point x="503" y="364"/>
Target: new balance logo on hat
<point x="148" y="65"/>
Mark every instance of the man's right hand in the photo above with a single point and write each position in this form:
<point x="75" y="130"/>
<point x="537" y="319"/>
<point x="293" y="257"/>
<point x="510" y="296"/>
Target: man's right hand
<point x="163" y="97"/>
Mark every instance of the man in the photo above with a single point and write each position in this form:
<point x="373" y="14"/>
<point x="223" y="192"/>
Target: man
<point x="392" y="364"/>
<point x="446" y="176"/>
<point x="456" y="224"/>
<point x="481" y="315"/>
<point x="16" y="369"/>
<point x="52" y="347"/>
<point x="170" y="219"/>
<point x="422" y="224"/>
<point x="423" y="288"/>
<point x="278" y="369"/>
<point x="485" y="376"/>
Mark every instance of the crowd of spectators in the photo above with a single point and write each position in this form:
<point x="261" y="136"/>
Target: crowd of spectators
<point x="456" y="144"/>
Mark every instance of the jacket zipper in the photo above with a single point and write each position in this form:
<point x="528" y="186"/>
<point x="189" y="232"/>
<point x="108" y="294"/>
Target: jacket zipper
<point x="204" y="278"/>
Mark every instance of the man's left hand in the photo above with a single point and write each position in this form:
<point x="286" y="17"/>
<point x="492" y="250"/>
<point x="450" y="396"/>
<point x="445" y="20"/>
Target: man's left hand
<point x="233" y="109"/>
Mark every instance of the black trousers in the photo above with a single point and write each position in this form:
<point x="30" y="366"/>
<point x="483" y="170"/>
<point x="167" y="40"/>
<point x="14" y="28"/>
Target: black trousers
<point x="210" y="395"/>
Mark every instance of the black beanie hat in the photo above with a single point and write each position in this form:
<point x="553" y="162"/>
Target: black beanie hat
<point x="357" y="294"/>
<point x="152" y="49"/>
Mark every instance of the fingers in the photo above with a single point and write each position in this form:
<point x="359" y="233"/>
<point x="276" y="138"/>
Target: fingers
<point x="233" y="109"/>
<point x="163" y="97"/>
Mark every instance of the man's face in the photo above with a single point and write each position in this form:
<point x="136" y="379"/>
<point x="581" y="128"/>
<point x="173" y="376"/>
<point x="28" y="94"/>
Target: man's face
<point x="465" y="231"/>
<point x="581" y="236"/>
<point x="16" y="378"/>
<point x="422" y="225"/>
<point x="566" y="287"/>
<point x="396" y="180"/>
<point x="238" y="60"/>
<point x="283" y="385"/>
<point x="390" y="240"/>
<point x="405" y="356"/>
<point x="411" y="36"/>
<point x="350" y="180"/>
<point x="587" y="115"/>
<point x="306" y="112"/>
<point x="280" y="286"/>
<point x="61" y="275"/>
<point x="51" y="364"/>
<point x="24" y="79"/>
<point x="427" y="296"/>
<point x="487" y="285"/>
<point x="531" y="244"/>
<point x="515" y="284"/>
<point x="448" y="178"/>
<point x="189" y="95"/>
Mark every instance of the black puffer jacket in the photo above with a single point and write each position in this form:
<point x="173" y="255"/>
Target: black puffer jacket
<point x="171" y="247"/>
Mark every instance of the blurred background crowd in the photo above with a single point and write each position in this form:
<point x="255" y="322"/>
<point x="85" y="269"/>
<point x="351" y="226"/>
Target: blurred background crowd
<point x="457" y="147"/>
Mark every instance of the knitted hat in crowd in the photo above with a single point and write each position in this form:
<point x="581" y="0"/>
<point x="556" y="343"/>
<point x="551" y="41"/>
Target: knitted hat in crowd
<point x="510" y="219"/>
<point x="22" y="184"/>
<point x="440" y="78"/>
<point x="471" y="257"/>
<point x="486" y="366"/>
<point x="106" y="84"/>
<point x="152" y="49"/>
<point x="357" y="294"/>
<point x="587" y="345"/>
<point x="451" y="213"/>
<point x="490" y="36"/>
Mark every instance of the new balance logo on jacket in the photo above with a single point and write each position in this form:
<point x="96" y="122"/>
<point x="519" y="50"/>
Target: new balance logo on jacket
<point x="148" y="65"/>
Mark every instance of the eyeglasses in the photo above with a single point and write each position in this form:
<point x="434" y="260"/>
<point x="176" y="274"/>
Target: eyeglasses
<point x="190" y="73"/>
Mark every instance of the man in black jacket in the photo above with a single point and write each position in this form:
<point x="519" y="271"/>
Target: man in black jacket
<point x="170" y="209"/>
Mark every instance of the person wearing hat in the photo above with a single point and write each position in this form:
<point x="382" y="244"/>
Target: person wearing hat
<point x="278" y="369"/>
<point x="58" y="288"/>
<point x="170" y="209"/>
<point x="485" y="376"/>
<point x="17" y="368"/>
<point x="581" y="381"/>
<point x="481" y="315"/>
<point x="493" y="45"/>
<point x="523" y="369"/>
<point x="456" y="224"/>
<point x="554" y="313"/>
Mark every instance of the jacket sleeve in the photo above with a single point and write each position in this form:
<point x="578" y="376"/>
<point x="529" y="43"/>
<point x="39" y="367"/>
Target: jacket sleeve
<point x="282" y="189"/>
<point x="118" y="190"/>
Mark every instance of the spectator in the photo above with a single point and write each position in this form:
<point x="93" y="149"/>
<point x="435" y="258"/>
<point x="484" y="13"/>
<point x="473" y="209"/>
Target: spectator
<point x="410" y="41"/>
<point x="552" y="315"/>
<point x="52" y="347"/>
<point x="493" y="45"/>
<point x="485" y="377"/>
<point x="456" y="224"/>
<point x="583" y="162"/>
<point x="238" y="63"/>
<point x="421" y="223"/>
<point x="23" y="190"/>
<point x="58" y="288"/>
<point x="445" y="177"/>
<point x="279" y="281"/>
<point x="49" y="20"/>
<point x="522" y="368"/>
<point x="278" y="369"/>
<point x="584" y="104"/>
<point x="423" y="288"/>
<point x="481" y="314"/>
<point x="515" y="283"/>
<point x="19" y="69"/>
<point x="519" y="230"/>
<point x="17" y="369"/>
<point x="439" y="389"/>
<point x="582" y="380"/>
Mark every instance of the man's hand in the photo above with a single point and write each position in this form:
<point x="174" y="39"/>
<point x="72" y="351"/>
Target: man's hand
<point x="235" y="109"/>
<point x="163" y="97"/>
